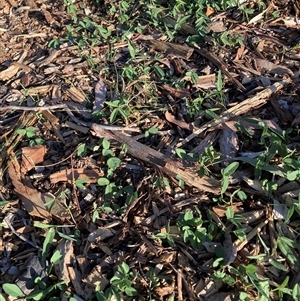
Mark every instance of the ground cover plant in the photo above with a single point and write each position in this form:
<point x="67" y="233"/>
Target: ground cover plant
<point x="149" y="150"/>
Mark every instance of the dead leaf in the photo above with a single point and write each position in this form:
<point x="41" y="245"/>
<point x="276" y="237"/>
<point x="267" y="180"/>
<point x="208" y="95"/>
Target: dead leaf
<point x="230" y="250"/>
<point x="56" y="93"/>
<point x="229" y="144"/>
<point x="13" y="3"/>
<point x="41" y="90"/>
<point x="172" y="49"/>
<point x="239" y="53"/>
<point x="180" y="123"/>
<point x="220" y="210"/>
<point x="31" y="156"/>
<point x="30" y="197"/>
<point x="100" y="234"/>
<point x="165" y="290"/>
<point x="70" y="175"/>
<point x="178" y="93"/>
<point x="267" y="66"/>
<point x="209" y="11"/>
<point x="100" y="95"/>
<point x="65" y="247"/>
<point x="217" y="26"/>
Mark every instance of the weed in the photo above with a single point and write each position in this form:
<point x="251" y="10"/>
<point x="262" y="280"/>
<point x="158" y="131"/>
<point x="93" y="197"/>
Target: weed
<point x="193" y="230"/>
<point x="30" y="134"/>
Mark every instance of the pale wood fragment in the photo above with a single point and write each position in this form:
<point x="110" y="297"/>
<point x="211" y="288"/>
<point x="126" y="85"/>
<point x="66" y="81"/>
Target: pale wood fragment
<point x="164" y="163"/>
<point x="249" y="104"/>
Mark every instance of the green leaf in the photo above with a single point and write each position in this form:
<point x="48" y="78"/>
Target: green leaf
<point x="115" y="280"/>
<point x="47" y="243"/>
<point x="30" y="132"/>
<point x="219" y="82"/>
<point x="21" y="131"/>
<point x="132" y="50"/>
<point x="286" y="246"/>
<point x="56" y="257"/>
<point x="103" y="181"/>
<point x="230" y="169"/>
<point x="42" y="226"/>
<point x="296" y="292"/>
<point x="293" y="175"/>
<point x="113" y="163"/>
<point x="79" y="182"/>
<point x="250" y="268"/>
<point x="113" y="115"/>
<point x="160" y="235"/>
<point x="278" y="265"/>
<point x="3" y="203"/>
<point x="180" y="152"/>
<point x="81" y="149"/>
<point x="211" y="113"/>
<point x="2" y="298"/>
<point x="225" y="184"/>
<point x="153" y="130"/>
<point x="105" y="144"/>
<point x="130" y="291"/>
<point x="230" y="213"/>
<point x="67" y="237"/>
<point x="159" y="72"/>
<point x="123" y="268"/>
<point x="12" y="290"/>
<point x="188" y="215"/>
<point x="36" y="295"/>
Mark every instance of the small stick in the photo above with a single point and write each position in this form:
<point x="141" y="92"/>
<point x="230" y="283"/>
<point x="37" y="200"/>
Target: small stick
<point x="69" y="112"/>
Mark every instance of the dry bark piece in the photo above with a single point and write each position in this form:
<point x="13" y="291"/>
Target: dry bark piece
<point x="75" y="95"/>
<point x="221" y="65"/>
<point x="31" y="156"/>
<point x="65" y="247"/>
<point x="10" y="72"/>
<point x="41" y="90"/>
<point x="281" y="112"/>
<point x="247" y="105"/>
<point x="178" y="93"/>
<point x="172" y="49"/>
<point x="164" y="163"/>
<point x="206" y="81"/>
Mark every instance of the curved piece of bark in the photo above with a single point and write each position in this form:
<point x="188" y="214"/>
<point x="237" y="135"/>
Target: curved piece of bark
<point x="164" y="163"/>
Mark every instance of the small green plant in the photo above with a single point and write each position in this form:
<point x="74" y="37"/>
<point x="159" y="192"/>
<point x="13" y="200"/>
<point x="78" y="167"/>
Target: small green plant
<point x="226" y="173"/>
<point x="166" y="235"/>
<point x="208" y="159"/>
<point x="236" y="220"/>
<point x="193" y="230"/>
<point x="151" y="131"/>
<point x="161" y="183"/>
<point x="30" y="134"/>
<point x="123" y="279"/>
<point x="246" y="11"/>
<point x="119" y="108"/>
